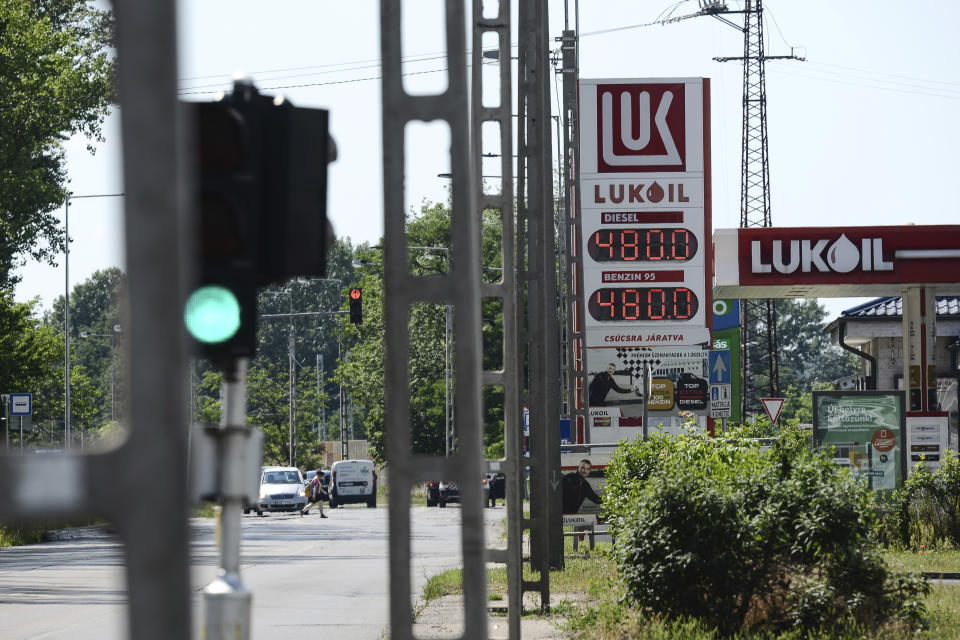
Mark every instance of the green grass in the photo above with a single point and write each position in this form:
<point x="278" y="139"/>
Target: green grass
<point x="203" y="510"/>
<point x="592" y="610"/>
<point x="14" y="535"/>
<point x="947" y="560"/>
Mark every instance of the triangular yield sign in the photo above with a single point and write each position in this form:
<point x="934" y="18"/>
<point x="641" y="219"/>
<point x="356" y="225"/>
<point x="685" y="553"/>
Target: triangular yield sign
<point x="773" y="406"/>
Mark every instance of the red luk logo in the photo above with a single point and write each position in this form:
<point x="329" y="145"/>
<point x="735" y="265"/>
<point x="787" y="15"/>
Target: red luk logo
<point x="640" y="128"/>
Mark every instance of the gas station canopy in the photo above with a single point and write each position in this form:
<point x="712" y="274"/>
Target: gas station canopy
<point x="835" y="262"/>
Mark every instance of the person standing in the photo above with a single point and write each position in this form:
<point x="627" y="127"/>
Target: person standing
<point x="317" y="496"/>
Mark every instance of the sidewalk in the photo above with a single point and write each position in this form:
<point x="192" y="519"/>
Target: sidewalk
<point x="443" y="618"/>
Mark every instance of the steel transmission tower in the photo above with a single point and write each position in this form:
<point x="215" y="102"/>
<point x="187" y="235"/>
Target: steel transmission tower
<point x="758" y="321"/>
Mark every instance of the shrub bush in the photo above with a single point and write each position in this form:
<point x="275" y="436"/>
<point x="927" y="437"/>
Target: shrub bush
<point x="926" y="510"/>
<point x="747" y="539"/>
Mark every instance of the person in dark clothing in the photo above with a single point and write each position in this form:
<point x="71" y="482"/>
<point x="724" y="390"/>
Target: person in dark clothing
<point x="575" y="488"/>
<point x="601" y="385"/>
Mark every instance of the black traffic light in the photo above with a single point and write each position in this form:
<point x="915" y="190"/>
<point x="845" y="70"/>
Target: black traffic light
<point x="221" y="312"/>
<point x="356" y="305"/>
<point x="261" y="207"/>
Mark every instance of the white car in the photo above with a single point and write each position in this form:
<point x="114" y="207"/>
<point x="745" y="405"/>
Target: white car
<point x="281" y="489"/>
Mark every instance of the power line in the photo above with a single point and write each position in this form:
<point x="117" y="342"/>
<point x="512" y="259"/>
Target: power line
<point x="851" y="80"/>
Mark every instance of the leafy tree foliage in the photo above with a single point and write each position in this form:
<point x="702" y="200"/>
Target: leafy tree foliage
<point x="362" y="372"/>
<point x="32" y="362"/>
<point x="56" y="80"/>
<point x="806" y="356"/>
<point x="96" y="344"/>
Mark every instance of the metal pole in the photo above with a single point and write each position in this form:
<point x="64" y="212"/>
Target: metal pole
<point x="323" y="407"/>
<point x="290" y="381"/>
<point x="319" y="391"/>
<point x="113" y="377"/>
<point x="227" y="601"/>
<point x="646" y="400"/>
<point x="344" y="452"/>
<point x="66" y="325"/>
<point x="448" y="383"/>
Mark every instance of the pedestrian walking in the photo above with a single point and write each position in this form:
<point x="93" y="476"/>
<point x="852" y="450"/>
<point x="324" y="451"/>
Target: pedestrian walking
<point x="316" y="495"/>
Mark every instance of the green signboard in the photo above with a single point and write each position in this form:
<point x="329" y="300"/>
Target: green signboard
<point x="730" y="339"/>
<point x="864" y="430"/>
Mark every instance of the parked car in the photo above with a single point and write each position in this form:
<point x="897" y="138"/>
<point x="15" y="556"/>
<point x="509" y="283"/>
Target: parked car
<point x="442" y="493"/>
<point x="449" y="492"/>
<point x="281" y="489"/>
<point x="353" y="481"/>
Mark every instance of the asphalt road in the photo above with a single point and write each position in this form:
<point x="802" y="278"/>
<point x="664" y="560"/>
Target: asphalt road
<point x="310" y="577"/>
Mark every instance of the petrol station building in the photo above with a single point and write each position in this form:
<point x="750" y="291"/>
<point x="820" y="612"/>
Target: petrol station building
<point x="907" y="338"/>
<point x="874" y="332"/>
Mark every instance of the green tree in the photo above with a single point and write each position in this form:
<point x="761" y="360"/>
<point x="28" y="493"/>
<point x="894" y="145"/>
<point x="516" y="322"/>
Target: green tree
<point x="32" y="361"/>
<point x="806" y="356"/>
<point x="268" y="410"/>
<point x="56" y="80"/>
<point x="96" y="344"/>
<point x="362" y="372"/>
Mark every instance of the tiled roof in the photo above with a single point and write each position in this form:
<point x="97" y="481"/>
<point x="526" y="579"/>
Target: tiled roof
<point x="947" y="307"/>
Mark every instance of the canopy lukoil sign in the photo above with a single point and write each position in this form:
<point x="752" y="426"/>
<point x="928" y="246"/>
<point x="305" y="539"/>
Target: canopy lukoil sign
<point x="834" y="261"/>
<point x="645" y="211"/>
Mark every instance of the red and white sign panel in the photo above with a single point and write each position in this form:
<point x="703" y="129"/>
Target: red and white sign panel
<point x="795" y="262"/>
<point x="773" y="407"/>
<point x="645" y="212"/>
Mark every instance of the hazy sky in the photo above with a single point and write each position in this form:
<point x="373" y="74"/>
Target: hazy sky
<point x="861" y="133"/>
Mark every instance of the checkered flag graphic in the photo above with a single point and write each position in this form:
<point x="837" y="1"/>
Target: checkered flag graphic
<point x="633" y="360"/>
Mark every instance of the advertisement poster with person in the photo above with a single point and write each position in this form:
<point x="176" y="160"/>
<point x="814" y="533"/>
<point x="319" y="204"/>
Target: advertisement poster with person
<point x="615" y="390"/>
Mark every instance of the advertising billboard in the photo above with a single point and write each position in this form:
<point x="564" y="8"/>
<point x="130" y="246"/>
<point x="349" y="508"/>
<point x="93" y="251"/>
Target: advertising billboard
<point x="678" y="384"/>
<point x="864" y="431"/>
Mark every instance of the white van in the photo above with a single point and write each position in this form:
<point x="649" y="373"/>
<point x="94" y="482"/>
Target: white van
<point x="353" y="481"/>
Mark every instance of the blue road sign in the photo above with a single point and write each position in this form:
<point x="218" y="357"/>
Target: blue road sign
<point x="719" y="367"/>
<point x="21" y="404"/>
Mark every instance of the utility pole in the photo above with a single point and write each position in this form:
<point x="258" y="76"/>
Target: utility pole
<point x="292" y="353"/>
<point x="758" y="322"/>
<point x="344" y="450"/>
<point x="758" y="318"/>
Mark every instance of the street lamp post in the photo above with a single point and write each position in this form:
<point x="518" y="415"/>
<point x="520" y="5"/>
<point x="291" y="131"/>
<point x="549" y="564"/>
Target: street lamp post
<point x="291" y="371"/>
<point x="448" y="421"/>
<point x="292" y="357"/>
<point x="447" y="358"/>
<point x="113" y="364"/>
<point x="67" y="435"/>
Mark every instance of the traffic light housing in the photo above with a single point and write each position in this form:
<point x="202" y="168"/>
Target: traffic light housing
<point x="260" y="199"/>
<point x="356" y="305"/>
<point x="221" y="310"/>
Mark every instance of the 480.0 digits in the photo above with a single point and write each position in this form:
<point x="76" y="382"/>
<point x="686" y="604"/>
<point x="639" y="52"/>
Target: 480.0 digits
<point x="642" y="245"/>
<point x="658" y="303"/>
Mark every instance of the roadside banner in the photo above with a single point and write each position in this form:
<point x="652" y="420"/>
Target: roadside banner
<point x="864" y="432"/>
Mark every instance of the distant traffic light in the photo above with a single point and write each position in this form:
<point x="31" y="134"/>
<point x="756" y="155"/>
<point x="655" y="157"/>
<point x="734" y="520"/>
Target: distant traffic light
<point x="260" y="195"/>
<point x="356" y="305"/>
